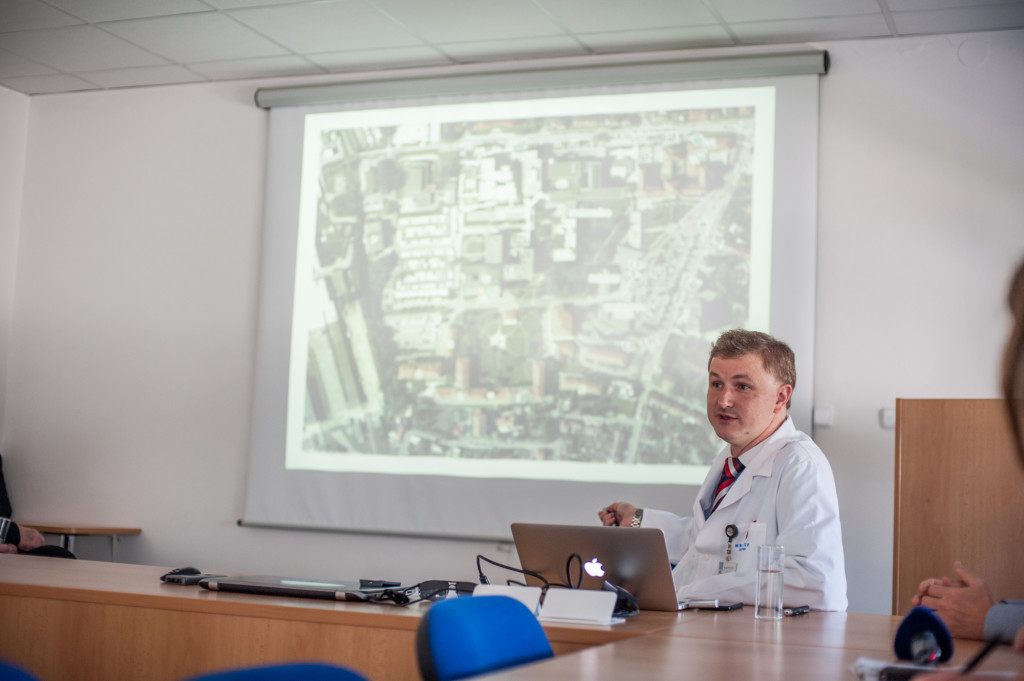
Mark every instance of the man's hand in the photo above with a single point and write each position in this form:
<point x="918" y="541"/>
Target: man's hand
<point x="962" y="603"/>
<point x="8" y="548"/>
<point x="30" y="538"/>
<point x="620" y="513"/>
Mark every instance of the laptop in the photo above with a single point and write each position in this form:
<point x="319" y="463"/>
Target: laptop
<point x="634" y="558"/>
<point x="270" y="585"/>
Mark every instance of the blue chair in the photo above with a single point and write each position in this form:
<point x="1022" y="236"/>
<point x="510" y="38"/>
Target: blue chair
<point x="306" y="671"/>
<point x="10" y="672"/>
<point x="464" y="637"/>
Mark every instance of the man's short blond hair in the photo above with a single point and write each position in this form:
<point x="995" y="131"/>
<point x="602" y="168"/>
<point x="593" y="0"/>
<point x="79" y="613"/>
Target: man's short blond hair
<point x="777" y="357"/>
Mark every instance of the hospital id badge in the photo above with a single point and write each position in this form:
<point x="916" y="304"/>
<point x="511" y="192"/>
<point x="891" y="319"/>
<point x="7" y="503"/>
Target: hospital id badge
<point x="728" y="565"/>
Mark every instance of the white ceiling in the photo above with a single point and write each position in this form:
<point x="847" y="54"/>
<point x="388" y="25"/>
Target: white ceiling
<point x="49" y="46"/>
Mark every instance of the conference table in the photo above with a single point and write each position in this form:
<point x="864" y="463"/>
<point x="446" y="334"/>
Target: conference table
<point x="90" y="621"/>
<point x="709" y="646"/>
<point x="67" y="532"/>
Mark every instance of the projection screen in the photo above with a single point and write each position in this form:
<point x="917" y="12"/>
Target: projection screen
<point x="479" y="310"/>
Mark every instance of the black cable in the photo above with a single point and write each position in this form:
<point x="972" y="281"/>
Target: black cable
<point x="403" y="597"/>
<point x="531" y="573"/>
<point x="547" y="584"/>
<point x="568" y="573"/>
<point x="400" y="598"/>
<point x="393" y="597"/>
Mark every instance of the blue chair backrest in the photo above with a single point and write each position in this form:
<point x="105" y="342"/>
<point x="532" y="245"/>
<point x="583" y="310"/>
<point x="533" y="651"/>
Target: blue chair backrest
<point x="11" y="672"/>
<point x="463" y="637"/>
<point x="304" y="671"/>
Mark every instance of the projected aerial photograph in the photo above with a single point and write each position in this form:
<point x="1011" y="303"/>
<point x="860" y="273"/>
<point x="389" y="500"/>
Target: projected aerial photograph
<point x="540" y="288"/>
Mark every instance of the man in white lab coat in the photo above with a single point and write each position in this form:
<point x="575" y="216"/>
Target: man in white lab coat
<point x="781" y="492"/>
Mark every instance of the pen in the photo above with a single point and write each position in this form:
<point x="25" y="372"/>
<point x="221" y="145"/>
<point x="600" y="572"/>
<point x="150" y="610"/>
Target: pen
<point x="979" y="656"/>
<point x="899" y="673"/>
<point x="798" y="610"/>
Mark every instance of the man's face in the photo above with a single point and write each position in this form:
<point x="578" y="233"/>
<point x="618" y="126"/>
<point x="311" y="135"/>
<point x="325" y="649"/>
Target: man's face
<point x="746" y="404"/>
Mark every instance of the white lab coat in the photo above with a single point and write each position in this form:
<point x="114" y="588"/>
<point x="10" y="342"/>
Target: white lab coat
<point x="785" y="495"/>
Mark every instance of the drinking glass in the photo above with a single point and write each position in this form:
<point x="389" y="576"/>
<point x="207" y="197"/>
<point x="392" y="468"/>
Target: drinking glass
<point x="771" y="559"/>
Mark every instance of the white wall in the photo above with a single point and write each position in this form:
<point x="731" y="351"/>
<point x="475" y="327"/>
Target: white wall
<point x="130" y="373"/>
<point x="921" y="220"/>
<point x="14" y="109"/>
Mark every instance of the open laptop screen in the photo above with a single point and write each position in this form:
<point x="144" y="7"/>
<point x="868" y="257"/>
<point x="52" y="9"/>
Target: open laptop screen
<point x="634" y="558"/>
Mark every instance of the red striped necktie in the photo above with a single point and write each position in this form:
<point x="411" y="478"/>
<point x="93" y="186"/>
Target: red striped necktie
<point x="732" y="469"/>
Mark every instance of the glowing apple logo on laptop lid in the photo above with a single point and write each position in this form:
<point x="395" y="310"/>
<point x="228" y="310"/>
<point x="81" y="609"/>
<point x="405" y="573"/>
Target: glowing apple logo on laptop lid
<point x="594" y="568"/>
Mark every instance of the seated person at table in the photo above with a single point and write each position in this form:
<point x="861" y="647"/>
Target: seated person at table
<point x="22" y="539"/>
<point x="965" y="604"/>
<point x="967" y="607"/>
<point x="784" y="492"/>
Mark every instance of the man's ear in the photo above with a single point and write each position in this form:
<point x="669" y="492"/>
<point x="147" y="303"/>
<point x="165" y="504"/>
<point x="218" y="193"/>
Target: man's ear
<point x="782" y="396"/>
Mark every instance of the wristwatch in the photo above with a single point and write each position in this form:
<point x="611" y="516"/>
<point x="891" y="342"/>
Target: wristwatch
<point x="637" y="517"/>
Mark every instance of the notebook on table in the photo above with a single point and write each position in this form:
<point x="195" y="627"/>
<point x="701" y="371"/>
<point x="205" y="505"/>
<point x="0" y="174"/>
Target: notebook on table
<point x="634" y="558"/>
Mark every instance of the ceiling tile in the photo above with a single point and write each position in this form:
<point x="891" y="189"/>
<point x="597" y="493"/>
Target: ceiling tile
<point x="41" y="85"/>
<point x="26" y="15"/>
<point x="911" y="5"/>
<point x="124" y="43"/>
<point x="957" y="20"/>
<point x="150" y="75"/>
<point x="12" y="65"/>
<point x="657" y="39"/>
<point x="326" y="26"/>
<point x="191" y="38"/>
<point x="95" y="11"/>
<point x="235" y="4"/>
<point x="391" y="58"/>
<point x="236" y="69"/>
<point x="78" y="48"/>
<point x="491" y="50"/>
<point x="760" y="10"/>
<point x="478" y="20"/>
<point x="809" y="30"/>
<point x="586" y="16"/>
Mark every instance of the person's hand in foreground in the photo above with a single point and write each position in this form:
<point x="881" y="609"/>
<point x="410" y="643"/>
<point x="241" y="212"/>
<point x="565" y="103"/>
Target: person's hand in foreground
<point x="30" y="538"/>
<point x="962" y="603"/>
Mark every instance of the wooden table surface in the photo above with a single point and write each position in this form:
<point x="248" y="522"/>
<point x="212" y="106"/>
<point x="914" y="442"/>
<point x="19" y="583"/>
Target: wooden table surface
<point x="814" y="647"/>
<point x="97" y="621"/>
<point x="80" y="528"/>
<point x="68" y="532"/>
